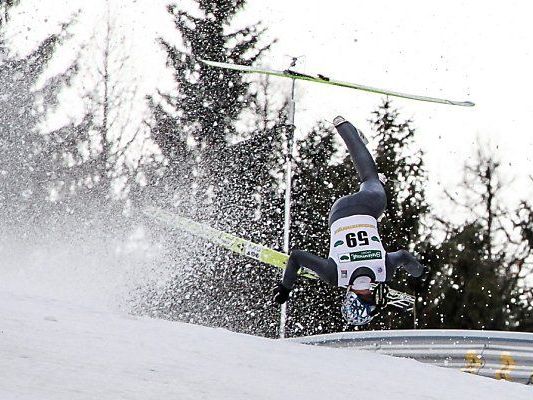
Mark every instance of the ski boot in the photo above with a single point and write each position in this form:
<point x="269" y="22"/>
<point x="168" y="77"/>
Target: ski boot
<point x="339" y="120"/>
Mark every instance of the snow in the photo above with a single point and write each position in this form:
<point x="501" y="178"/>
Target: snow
<point x="54" y="348"/>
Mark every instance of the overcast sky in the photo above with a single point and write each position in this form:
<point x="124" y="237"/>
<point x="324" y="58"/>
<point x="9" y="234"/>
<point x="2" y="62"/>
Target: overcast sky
<point x="463" y="50"/>
<point x="475" y="50"/>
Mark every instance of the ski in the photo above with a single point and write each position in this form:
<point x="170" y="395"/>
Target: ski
<point x="289" y="73"/>
<point x="222" y="239"/>
<point x="252" y="250"/>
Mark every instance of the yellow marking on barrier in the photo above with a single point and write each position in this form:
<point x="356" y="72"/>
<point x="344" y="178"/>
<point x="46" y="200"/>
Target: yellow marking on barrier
<point x="473" y="362"/>
<point x="508" y="364"/>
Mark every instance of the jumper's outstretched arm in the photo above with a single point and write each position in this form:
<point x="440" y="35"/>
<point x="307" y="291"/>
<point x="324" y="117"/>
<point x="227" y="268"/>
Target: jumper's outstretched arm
<point x="404" y="259"/>
<point x="325" y="268"/>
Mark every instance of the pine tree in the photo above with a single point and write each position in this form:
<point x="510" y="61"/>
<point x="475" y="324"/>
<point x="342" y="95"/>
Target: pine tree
<point x="234" y="282"/>
<point x="522" y="299"/>
<point x="403" y="166"/>
<point x="220" y="288"/>
<point x="194" y="127"/>
<point x="398" y="158"/>
<point x="483" y="262"/>
<point x="207" y="101"/>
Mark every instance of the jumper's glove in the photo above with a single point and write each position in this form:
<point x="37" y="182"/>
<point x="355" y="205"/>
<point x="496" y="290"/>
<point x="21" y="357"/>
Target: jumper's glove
<point x="280" y="293"/>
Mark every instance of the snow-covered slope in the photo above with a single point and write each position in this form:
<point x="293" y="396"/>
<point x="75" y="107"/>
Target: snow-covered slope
<point x="57" y="349"/>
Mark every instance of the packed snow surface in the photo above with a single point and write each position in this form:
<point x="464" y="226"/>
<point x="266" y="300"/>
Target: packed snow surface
<point x="51" y="348"/>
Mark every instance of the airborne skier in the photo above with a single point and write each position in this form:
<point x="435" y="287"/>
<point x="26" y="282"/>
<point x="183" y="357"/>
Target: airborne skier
<point x="356" y="256"/>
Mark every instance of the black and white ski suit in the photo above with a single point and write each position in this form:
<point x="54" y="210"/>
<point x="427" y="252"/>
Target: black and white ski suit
<point x="371" y="201"/>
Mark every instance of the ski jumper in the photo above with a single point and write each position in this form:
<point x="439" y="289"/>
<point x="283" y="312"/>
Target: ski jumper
<point x="355" y="248"/>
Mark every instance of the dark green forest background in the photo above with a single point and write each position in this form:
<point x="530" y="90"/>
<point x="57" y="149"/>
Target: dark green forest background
<point x="208" y="168"/>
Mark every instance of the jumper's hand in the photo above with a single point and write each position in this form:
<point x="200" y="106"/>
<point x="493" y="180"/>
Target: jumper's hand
<point x="280" y="293"/>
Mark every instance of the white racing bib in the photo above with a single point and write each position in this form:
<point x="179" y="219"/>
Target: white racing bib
<point x="355" y="243"/>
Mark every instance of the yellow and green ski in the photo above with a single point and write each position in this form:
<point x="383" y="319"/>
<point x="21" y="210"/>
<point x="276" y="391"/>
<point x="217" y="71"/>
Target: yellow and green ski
<point x="289" y="73"/>
<point x="250" y="249"/>
<point x="223" y="239"/>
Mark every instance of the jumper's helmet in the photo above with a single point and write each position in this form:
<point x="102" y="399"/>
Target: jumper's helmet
<point x="357" y="311"/>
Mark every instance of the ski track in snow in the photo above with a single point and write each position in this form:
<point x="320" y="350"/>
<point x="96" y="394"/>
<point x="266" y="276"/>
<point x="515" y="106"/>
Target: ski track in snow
<point x="56" y="349"/>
